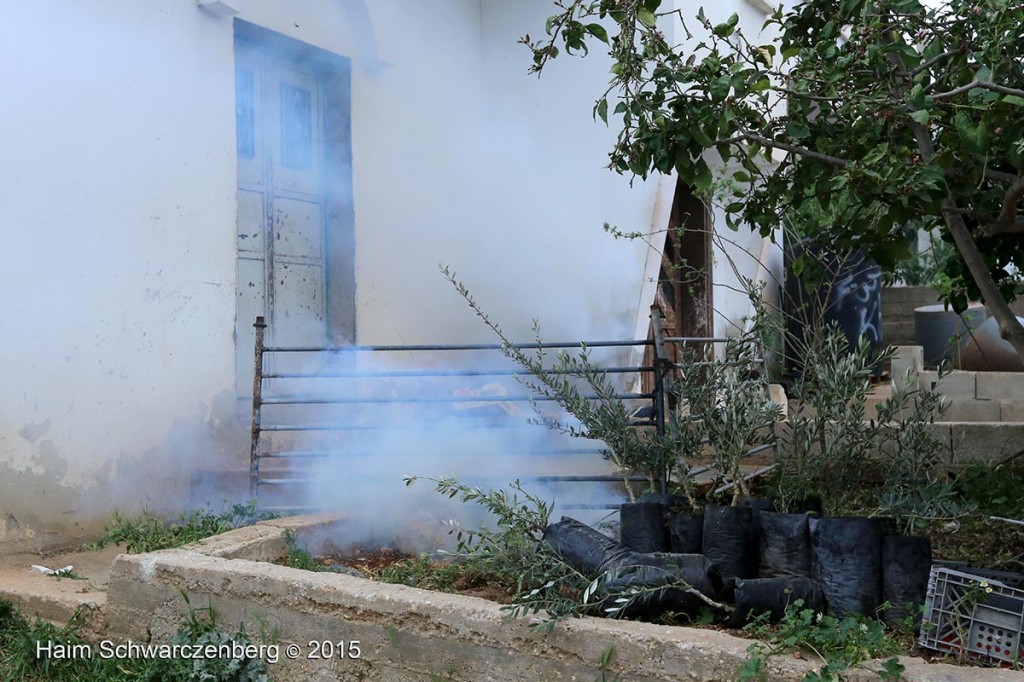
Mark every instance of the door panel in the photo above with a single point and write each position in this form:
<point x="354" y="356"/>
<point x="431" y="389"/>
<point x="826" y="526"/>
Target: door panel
<point x="251" y="301"/>
<point x="251" y="233"/>
<point x="295" y="219"/>
<point x="298" y="229"/>
<point x="300" y="319"/>
<point x="294" y="116"/>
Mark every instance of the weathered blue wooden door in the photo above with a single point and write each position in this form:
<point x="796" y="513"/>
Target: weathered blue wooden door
<point x="294" y="195"/>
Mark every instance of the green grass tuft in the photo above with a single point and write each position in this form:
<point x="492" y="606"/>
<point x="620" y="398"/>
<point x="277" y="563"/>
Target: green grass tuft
<point x="147" y="532"/>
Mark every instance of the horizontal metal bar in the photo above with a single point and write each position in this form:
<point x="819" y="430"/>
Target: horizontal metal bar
<point x="705" y="440"/>
<point x="702" y="469"/>
<point x="401" y="374"/>
<point x="299" y="455"/>
<point x="426" y="453"/>
<point x="695" y="339"/>
<point x="559" y="479"/>
<point x="752" y="475"/>
<point x="706" y="363"/>
<point x="756" y="450"/>
<point x="465" y="422"/>
<point x="335" y="400"/>
<point x="457" y="346"/>
<point x="295" y="509"/>
<point x="469" y="480"/>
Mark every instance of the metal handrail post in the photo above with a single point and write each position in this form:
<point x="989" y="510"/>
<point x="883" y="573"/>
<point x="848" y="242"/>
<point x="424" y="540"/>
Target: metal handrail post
<point x="660" y="363"/>
<point x="257" y="404"/>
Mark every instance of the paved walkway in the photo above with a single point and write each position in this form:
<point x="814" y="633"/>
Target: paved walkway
<point x="52" y="598"/>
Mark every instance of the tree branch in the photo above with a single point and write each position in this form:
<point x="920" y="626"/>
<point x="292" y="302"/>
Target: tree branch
<point x="973" y="85"/>
<point x="1000" y="176"/>
<point x="1008" y="220"/>
<point x="928" y="64"/>
<point x="1016" y="226"/>
<point x="804" y="95"/>
<point x="834" y="161"/>
<point x="1009" y="326"/>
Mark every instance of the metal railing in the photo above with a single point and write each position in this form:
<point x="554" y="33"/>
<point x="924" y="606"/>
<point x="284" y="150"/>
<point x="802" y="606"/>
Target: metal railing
<point x="312" y="403"/>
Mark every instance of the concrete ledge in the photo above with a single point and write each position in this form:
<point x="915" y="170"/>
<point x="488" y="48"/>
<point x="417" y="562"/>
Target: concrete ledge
<point x="954" y="384"/>
<point x="1000" y="385"/>
<point x="986" y="441"/>
<point x="57" y="605"/>
<point x="264" y="541"/>
<point x="972" y="410"/>
<point x="1011" y="410"/>
<point x="409" y="634"/>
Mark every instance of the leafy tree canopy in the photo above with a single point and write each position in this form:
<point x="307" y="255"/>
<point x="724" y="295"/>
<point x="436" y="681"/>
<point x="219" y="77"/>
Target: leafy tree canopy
<point x="855" y="118"/>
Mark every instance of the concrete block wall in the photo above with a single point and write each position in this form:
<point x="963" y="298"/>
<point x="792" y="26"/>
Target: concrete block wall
<point x="898" y="305"/>
<point x="970" y="396"/>
<point x="979" y="396"/>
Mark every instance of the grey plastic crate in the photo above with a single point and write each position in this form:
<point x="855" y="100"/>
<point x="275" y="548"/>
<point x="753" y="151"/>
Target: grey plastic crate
<point x="974" y="615"/>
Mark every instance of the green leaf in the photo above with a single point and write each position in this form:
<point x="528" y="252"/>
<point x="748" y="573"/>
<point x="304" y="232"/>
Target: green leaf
<point x="702" y="177"/>
<point x="969" y="133"/>
<point x="876" y="154"/>
<point x="920" y="116"/>
<point x="797" y="129"/>
<point x="917" y="96"/>
<point x="702" y="137"/>
<point x="646" y="17"/>
<point x="602" y="109"/>
<point x="1014" y="100"/>
<point x="751" y="669"/>
<point x="724" y="30"/>
<point x="984" y="137"/>
<point x="892" y="669"/>
<point x="719" y="88"/>
<point x="599" y="32"/>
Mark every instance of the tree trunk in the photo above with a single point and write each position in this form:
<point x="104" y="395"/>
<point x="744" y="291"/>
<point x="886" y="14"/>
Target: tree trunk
<point x="1009" y="326"/>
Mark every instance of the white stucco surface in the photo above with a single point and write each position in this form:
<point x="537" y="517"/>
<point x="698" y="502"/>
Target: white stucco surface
<point x="118" y="268"/>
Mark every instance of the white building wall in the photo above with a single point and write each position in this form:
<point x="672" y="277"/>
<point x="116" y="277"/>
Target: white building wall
<point x="117" y="271"/>
<point x="118" y="268"/>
